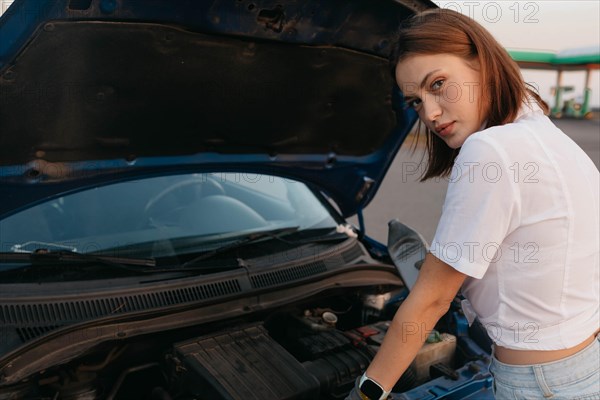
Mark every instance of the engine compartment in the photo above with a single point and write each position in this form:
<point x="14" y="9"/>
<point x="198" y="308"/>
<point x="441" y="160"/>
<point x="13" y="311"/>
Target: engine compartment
<point x="311" y="350"/>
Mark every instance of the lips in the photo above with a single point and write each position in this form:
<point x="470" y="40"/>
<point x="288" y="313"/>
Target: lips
<point x="444" y="129"/>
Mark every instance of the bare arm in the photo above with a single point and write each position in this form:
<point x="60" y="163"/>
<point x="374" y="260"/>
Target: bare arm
<point x="437" y="285"/>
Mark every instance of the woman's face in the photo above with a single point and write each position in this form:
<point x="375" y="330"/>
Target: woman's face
<point x="446" y="92"/>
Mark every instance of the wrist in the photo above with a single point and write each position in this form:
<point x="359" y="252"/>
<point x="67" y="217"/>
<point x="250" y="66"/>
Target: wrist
<point x="370" y="389"/>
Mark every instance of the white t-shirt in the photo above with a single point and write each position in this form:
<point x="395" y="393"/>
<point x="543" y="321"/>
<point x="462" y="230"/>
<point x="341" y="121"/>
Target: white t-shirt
<point x="521" y="219"/>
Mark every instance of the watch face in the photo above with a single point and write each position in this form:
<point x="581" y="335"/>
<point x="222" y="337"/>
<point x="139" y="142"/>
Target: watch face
<point x="371" y="390"/>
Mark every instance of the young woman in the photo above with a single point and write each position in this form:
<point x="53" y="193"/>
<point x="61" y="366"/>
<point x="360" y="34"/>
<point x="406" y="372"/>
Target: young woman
<point x="519" y="227"/>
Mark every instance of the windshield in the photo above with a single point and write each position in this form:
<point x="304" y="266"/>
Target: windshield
<point x="165" y="216"/>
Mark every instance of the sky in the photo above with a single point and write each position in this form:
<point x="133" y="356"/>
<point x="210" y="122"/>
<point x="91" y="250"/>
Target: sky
<point x="536" y="25"/>
<point x="550" y="25"/>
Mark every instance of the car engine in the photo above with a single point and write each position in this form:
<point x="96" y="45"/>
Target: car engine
<point x="314" y="350"/>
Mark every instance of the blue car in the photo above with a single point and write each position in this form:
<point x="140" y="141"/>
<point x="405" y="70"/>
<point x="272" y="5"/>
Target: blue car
<point x="175" y="179"/>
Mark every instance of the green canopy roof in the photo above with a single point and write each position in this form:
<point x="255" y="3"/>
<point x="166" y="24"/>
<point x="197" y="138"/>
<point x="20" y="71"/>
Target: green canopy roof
<point x="571" y="57"/>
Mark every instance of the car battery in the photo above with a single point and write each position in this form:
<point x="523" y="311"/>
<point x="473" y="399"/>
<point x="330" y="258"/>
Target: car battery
<point x="439" y="351"/>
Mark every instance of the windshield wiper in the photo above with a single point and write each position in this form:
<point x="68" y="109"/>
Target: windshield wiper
<point x="21" y="247"/>
<point x="247" y="239"/>
<point x="331" y="235"/>
<point x="70" y="256"/>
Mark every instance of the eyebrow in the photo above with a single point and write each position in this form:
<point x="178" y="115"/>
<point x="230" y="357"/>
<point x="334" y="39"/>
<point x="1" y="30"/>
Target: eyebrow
<point x="427" y="77"/>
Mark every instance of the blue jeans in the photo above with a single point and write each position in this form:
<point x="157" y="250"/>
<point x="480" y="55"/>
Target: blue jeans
<point x="576" y="377"/>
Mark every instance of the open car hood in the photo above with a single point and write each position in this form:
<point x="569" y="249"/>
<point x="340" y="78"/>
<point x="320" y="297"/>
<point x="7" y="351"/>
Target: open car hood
<point x="93" y="91"/>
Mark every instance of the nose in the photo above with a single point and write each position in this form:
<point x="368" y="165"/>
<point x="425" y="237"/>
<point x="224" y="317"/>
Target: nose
<point x="431" y="109"/>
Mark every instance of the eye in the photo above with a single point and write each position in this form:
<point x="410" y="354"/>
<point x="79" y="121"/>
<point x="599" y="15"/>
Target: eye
<point x="413" y="103"/>
<point x="437" y="85"/>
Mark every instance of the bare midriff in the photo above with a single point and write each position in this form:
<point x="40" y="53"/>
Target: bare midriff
<point x="524" y="357"/>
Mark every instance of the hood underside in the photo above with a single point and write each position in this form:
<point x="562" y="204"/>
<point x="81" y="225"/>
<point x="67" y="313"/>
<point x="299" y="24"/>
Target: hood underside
<point x="122" y="89"/>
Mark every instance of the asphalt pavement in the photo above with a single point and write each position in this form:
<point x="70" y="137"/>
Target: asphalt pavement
<point x="419" y="204"/>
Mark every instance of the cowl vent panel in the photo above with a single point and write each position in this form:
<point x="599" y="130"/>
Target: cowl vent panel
<point x="29" y="333"/>
<point x="334" y="259"/>
<point x="287" y="275"/>
<point x="58" y="313"/>
<point x="352" y="254"/>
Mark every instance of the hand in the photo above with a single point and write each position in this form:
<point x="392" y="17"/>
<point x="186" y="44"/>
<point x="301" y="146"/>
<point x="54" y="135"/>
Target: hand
<point x="355" y="393"/>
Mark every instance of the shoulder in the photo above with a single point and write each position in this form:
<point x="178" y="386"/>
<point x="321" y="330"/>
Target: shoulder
<point x="484" y="146"/>
<point x="503" y="142"/>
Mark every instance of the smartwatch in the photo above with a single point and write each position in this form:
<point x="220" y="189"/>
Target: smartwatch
<point x="371" y="390"/>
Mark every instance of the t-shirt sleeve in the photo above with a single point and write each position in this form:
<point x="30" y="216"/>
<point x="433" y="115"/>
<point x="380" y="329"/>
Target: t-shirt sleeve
<point x="481" y="208"/>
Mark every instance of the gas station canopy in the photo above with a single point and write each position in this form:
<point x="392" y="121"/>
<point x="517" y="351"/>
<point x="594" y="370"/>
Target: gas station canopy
<point x="567" y="60"/>
<point x="579" y="59"/>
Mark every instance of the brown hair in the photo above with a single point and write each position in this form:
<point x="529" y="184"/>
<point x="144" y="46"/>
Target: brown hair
<point x="440" y="31"/>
